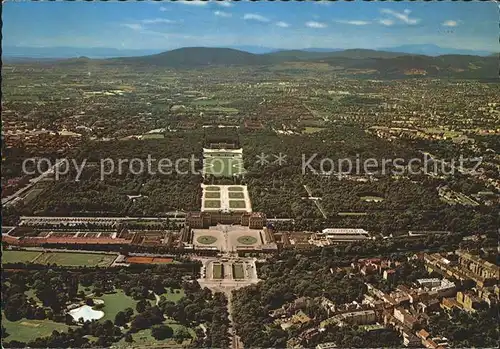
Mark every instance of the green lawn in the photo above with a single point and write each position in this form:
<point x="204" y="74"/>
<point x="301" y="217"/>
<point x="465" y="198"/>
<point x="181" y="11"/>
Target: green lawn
<point x="76" y="259"/>
<point x="30" y="293"/>
<point x="236" y="195"/>
<point x="173" y="296"/>
<point x="25" y="330"/>
<point x="237" y="204"/>
<point x="212" y="204"/>
<point x="206" y="239"/>
<point x="247" y="240"/>
<point x="238" y="271"/>
<point x="115" y="302"/>
<point x="175" y="325"/>
<point x="212" y="188"/>
<point x="9" y="256"/>
<point x="234" y="189"/>
<point x="212" y="195"/>
<point x="309" y="130"/>
<point x="218" y="271"/>
<point x="223" y="166"/>
<point x="153" y="136"/>
<point x="82" y="288"/>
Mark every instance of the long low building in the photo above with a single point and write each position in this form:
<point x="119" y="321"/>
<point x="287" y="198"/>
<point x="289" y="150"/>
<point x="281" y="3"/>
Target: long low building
<point x="344" y="235"/>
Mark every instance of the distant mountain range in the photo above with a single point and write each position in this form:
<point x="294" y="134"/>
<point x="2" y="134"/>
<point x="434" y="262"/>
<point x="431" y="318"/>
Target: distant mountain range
<point x="15" y="52"/>
<point x="199" y="56"/>
<point x="435" y="50"/>
<point x="360" y="62"/>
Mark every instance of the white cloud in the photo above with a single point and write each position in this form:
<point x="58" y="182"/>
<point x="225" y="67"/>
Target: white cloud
<point x="158" y="20"/>
<point x="224" y="3"/>
<point x="322" y="2"/>
<point x="403" y="17"/>
<point x="313" y="24"/>
<point x="193" y="2"/>
<point x="386" y="22"/>
<point x="282" y="24"/>
<point x="354" y="22"/>
<point x="133" y="26"/>
<point x="222" y="14"/>
<point x="163" y="9"/>
<point x="255" y="17"/>
<point x="449" y="23"/>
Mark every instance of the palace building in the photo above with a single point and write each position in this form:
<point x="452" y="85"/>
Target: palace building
<point x="203" y="220"/>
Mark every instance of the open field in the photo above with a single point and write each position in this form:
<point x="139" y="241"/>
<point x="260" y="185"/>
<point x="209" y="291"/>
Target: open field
<point x="238" y="271"/>
<point x="223" y="166"/>
<point x="9" y="256"/>
<point x="76" y="259"/>
<point x="115" y="302"/>
<point x="218" y="270"/>
<point x="25" y="330"/>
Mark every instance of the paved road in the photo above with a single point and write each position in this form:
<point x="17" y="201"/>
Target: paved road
<point x="235" y="339"/>
<point x="227" y="285"/>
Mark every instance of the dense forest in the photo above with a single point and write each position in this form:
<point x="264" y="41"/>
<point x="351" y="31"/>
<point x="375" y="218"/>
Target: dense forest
<point x="408" y="202"/>
<point x="53" y="290"/>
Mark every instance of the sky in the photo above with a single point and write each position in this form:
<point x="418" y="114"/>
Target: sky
<point x="285" y="25"/>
